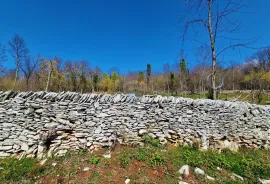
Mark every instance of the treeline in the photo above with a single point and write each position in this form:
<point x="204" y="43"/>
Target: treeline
<point x="54" y="74"/>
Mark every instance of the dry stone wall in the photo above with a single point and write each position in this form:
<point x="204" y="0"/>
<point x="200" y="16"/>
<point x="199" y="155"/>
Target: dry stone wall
<point x="32" y="123"/>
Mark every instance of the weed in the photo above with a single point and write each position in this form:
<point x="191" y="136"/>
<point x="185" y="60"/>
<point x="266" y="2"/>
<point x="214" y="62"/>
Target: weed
<point x="95" y="160"/>
<point x="151" y="141"/>
<point x="157" y="159"/>
<point x="124" y="160"/>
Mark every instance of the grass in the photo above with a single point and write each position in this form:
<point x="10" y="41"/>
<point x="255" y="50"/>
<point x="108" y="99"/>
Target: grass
<point x="151" y="163"/>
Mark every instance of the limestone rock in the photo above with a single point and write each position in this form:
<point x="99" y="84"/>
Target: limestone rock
<point x="199" y="171"/>
<point x="184" y="170"/>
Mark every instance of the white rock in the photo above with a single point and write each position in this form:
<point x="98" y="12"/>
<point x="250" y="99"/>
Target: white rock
<point x="61" y="152"/>
<point x="107" y="156"/>
<point x="237" y="176"/>
<point x="88" y="144"/>
<point x="86" y="169"/>
<point x="264" y="181"/>
<point x="199" y="171"/>
<point x="24" y="147"/>
<point x="5" y="148"/>
<point x="3" y="154"/>
<point x="43" y="162"/>
<point x="142" y="132"/>
<point x="79" y="135"/>
<point x="210" y="178"/>
<point x="184" y="170"/>
<point x="182" y="182"/>
<point x="127" y="181"/>
<point x="98" y="130"/>
<point x="219" y="169"/>
<point x="54" y="164"/>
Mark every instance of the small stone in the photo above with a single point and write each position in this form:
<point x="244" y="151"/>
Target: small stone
<point x="184" y="170"/>
<point x="29" y="111"/>
<point x="199" y="171"/>
<point x="3" y="154"/>
<point x="43" y="162"/>
<point x="142" y="132"/>
<point x="98" y="130"/>
<point x="86" y="169"/>
<point x="237" y="176"/>
<point x="264" y="181"/>
<point x="127" y="181"/>
<point x="219" y="169"/>
<point x="39" y="111"/>
<point x="54" y="164"/>
<point x="107" y="156"/>
<point x="182" y="182"/>
<point x="5" y="148"/>
<point x="61" y="152"/>
<point x="210" y="178"/>
<point x="79" y="135"/>
<point x="24" y="147"/>
<point x="88" y="144"/>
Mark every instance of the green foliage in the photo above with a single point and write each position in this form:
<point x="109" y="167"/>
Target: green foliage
<point x="151" y="141"/>
<point x="183" y="67"/>
<point x="95" y="160"/>
<point x="83" y="151"/>
<point x="142" y="154"/>
<point x="125" y="158"/>
<point x="94" y="178"/>
<point x="95" y="79"/>
<point x="17" y="170"/>
<point x="244" y="163"/>
<point x="140" y="77"/>
<point x="157" y="159"/>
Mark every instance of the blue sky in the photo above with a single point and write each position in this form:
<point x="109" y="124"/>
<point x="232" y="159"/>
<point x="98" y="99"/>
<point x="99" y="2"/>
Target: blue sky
<point x="122" y="33"/>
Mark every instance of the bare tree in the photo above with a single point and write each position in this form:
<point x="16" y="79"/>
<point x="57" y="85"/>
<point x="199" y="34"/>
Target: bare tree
<point x="3" y="56"/>
<point x="203" y="56"/>
<point x="214" y="16"/>
<point x="28" y="67"/>
<point x="166" y="70"/>
<point x="19" y="52"/>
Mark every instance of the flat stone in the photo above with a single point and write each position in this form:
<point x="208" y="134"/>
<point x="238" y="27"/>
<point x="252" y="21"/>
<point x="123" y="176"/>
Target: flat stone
<point x="24" y="147"/>
<point x="142" y="132"/>
<point x="79" y="135"/>
<point x="5" y="148"/>
<point x="199" y="171"/>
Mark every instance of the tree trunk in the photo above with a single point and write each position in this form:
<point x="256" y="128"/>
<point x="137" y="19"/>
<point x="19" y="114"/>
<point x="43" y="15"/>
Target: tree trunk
<point x="214" y="57"/>
<point x="233" y="79"/>
<point x="49" y="77"/>
<point x="16" y="77"/>
<point x="27" y="83"/>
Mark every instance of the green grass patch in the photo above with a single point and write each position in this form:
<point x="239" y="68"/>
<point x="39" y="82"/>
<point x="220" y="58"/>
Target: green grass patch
<point x="16" y="170"/>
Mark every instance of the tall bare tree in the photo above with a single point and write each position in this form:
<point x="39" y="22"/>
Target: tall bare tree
<point x="214" y="16"/>
<point x="3" y="56"/>
<point x="19" y="52"/>
<point x="28" y="67"/>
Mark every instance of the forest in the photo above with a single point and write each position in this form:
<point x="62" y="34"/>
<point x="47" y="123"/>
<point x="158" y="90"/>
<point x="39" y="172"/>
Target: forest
<point x="37" y="73"/>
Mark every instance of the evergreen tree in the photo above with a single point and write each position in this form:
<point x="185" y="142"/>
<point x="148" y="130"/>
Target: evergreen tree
<point x="183" y="67"/>
<point x="183" y="74"/>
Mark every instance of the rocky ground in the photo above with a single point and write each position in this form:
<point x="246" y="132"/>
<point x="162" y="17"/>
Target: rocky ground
<point x="150" y="163"/>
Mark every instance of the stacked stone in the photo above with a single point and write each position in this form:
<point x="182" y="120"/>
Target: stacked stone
<point x="34" y="122"/>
